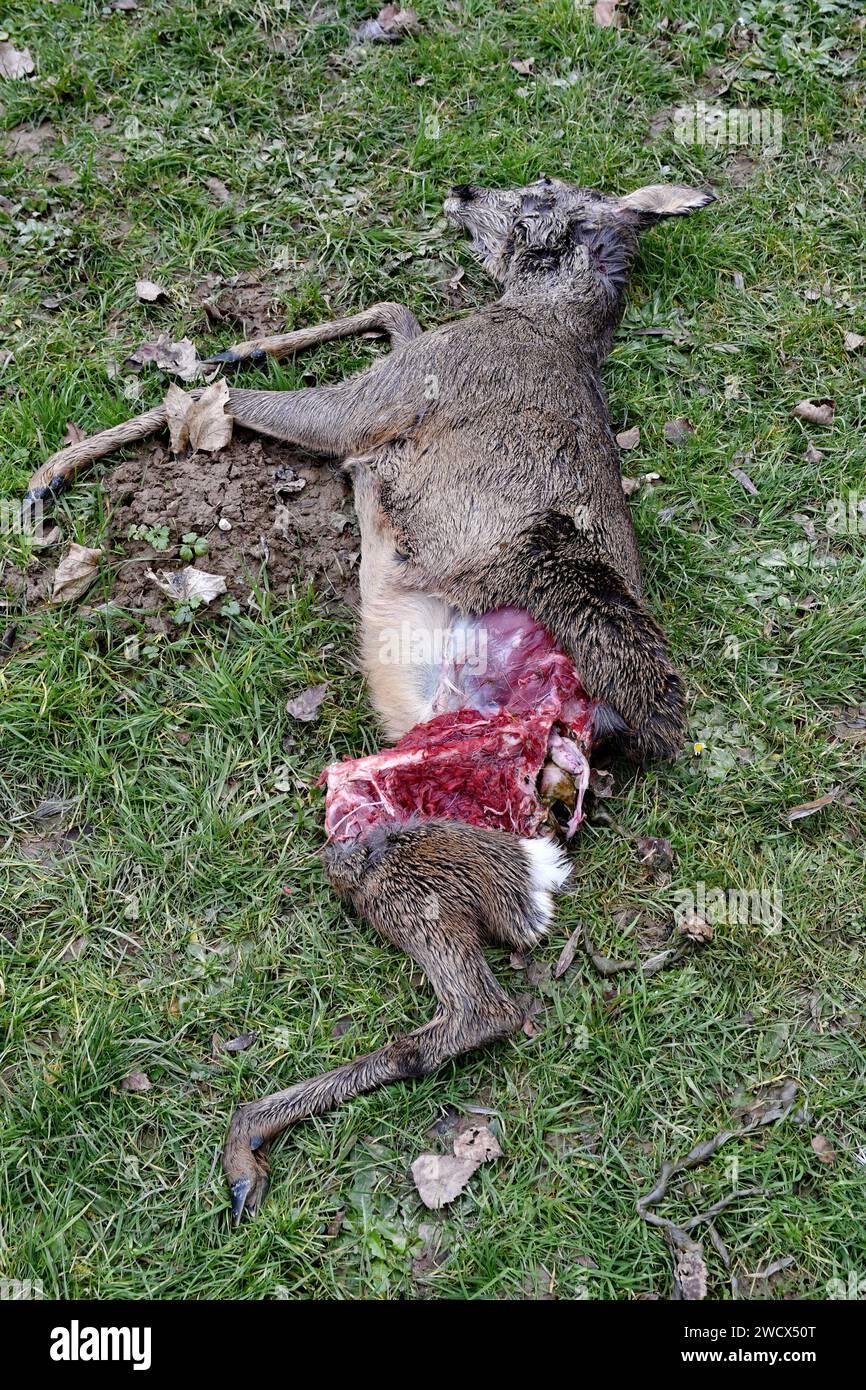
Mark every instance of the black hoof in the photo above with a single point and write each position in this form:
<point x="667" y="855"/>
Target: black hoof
<point x="44" y="494"/>
<point x="239" y="1191"/>
<point x="230" y="358"/>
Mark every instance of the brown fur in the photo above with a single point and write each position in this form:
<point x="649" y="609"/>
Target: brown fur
<point x="484" y="457"/>
<point x="440" y="892"/>
<point x="485" y="474"/>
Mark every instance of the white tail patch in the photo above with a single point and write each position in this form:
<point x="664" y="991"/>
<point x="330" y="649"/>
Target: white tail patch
<point x="548" y="870"/>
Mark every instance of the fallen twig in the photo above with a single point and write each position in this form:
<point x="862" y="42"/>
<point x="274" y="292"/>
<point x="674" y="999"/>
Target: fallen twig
<point x="607" y="967"/>
<point x="679" y="1239"/>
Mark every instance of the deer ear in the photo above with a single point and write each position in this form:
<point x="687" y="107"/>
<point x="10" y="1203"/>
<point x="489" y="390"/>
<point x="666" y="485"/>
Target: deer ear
<point x="647" y="205"/>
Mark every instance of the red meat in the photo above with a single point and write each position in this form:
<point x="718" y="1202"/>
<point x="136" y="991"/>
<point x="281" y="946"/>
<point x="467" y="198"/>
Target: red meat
<point x="500" y="715"/>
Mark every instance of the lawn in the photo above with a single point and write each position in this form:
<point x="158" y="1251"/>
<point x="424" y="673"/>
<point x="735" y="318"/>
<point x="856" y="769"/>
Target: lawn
<point x="176" y="892"/>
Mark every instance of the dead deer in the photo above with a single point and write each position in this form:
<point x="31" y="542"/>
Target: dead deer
<point x="486" y="477"/>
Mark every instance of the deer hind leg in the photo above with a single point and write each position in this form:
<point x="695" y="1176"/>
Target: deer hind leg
<point x="438" y="890"/>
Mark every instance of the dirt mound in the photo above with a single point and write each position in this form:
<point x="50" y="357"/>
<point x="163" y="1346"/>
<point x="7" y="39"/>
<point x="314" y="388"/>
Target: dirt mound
<point x="269" y="515"/>
<point x="265" y="510"/>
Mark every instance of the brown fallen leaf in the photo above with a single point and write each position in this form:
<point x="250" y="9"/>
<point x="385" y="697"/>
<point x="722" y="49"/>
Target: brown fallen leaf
<point x="123" y="5"/>
<point x="179" y="359"/>
<point x="675" y="431"/>
<point x="808" y="808"/>
<point x="239" y="1044"/>
<point x="567" y="953"/>
<point x="817" y="412"/>
<point x="149" y="292"/>
<point x="654" y="853"/>
<point x="743" y="479"/>
<point x="75" y="573"/>
<point x="853" y="725"/>
<point x="136" y="1081"/>
<point x="74" y="433"/>
<point x="478" y="1143"/>
<point x="390" y="25"/>
<point x="74" y="949"/>
<point x="217" y="190"/>
<point x="15" y="62"/>
<point x="607" y="14"/>
<point x="190" y="583"/>
<point x="523" y="66"/>
<point x="202" y="425"/>
<point x="813" y="455"/>
<point x="306" y="705"/>
<point x="440" y="1178"/>
<point x="694" y="928"/>
<point x="632" y="485"/>
<point x="824" y="1150"/>
<point x="853" y="341"/>
<point x="690" y="1273"/>
<point x="629" y="438"/>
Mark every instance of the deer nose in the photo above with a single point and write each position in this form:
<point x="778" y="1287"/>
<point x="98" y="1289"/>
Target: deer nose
<point x="464" y="192"/>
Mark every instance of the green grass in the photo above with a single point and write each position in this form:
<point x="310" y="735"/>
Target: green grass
<point x="339" y="158"/>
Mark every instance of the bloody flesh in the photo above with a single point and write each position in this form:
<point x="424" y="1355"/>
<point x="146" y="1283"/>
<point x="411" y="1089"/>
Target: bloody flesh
<point x="507" y="705"/>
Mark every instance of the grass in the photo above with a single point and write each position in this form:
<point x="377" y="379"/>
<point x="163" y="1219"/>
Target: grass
<point x="177" y="897"/>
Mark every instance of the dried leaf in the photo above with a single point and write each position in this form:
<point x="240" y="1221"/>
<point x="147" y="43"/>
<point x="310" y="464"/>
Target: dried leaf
<point x="390" y="25"/>
<point x="75" y="573"/>
<point x="853" y="341"/>
<point x="203" y="424"/>
<point x="149" y="291"/>
<point x="690" y="1273"/>
<point x="74" y="949"/>
<point x="15" y="62"/>
<point x="808" y="808"/>
<point x="818" y="412"/>
<point x="692" y="926"/>
<point x="629" y="438"/>
<point x="632" y="485"/>
<point x="480" y="1144"/>
<point x="523" y="66"/>
<point x="607" y="15"/>
<point x="218" y="191"/>
<point x="239" y="1044"/>
<point x="655" y="854"/>
<point x="123" y="5"/>
<point x="823" y="1148"/>
<point x="567" y="954"/>
<point x="306" y="705"/>
<point x="675" y="431"/>
<point x="743" y="479"/>
<point x="179" y="359"/>
<point x="813" y="455"/>
<point x="190" y="583"/>
<point x="441" y="1178"/>
<point x="74" y="433"/>
<point x="136" y="1081"/>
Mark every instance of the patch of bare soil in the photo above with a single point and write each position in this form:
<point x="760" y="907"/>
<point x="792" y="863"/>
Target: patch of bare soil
<point x="269" y="514"/>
